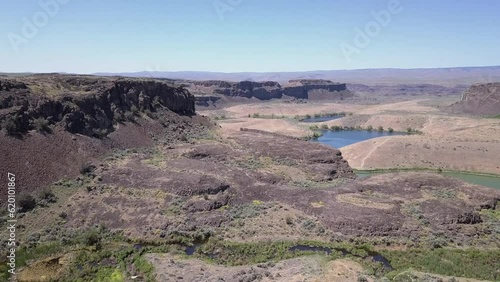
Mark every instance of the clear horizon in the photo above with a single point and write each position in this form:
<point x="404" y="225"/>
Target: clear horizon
<point x="235" y="36"/>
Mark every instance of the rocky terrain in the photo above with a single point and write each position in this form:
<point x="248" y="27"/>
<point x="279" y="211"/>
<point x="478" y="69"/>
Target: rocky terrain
<point x="407" y="89"/>
<point x="213" y="90"/>
<point x="480" y="99"/>
<point x="54" y="124"/>
<point x="122" y="180"/>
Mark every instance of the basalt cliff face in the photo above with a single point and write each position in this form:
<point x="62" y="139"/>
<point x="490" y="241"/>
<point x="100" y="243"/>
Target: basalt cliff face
<point x="480" y="99"/>
<point x="301" y="89"/>
<point x="86" y="105"/>
<point x="52" y="125"/>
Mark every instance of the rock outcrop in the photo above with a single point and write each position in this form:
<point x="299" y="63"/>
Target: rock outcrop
<point x="85" y="105"/>
<point x="480" y="99"/>
<point x="407" y="89"/>
<point x="301" y="89"/>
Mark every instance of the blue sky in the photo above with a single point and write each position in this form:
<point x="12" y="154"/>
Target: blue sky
<point x="86" y="36"/>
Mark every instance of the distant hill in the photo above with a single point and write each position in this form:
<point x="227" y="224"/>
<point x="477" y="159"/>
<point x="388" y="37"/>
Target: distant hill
<point x="480" y="99"/>
<point x="437" y="76"/>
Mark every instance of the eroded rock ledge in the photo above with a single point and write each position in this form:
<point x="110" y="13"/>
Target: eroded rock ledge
<point x="84" y="104"/>
<point x="301" y="89"/>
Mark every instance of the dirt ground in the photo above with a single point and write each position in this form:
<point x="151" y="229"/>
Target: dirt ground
<point x="304" y="269"/>
<point x="310" y="269"/>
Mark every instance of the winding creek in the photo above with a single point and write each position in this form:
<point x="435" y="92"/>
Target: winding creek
<point x="374" y="256"/>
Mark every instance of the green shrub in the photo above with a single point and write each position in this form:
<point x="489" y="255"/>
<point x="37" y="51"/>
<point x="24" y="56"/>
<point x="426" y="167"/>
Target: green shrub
<point x="92" y="238"/>
<point x="129" y="116"/>
<point x="369" y="128"/>
<point x="390" y="130"/>
<point x="134" y="110"/>
<point x="317" y="135"/>
<point x="87" y="168"/>
<point x="313" y="127"/>
<point x="380" y="128"/>
<point x="11" y="126"/>
<point x="45" y="198"/>
<point x="470" y="263"/>
<point x="41" y="125"/>
<point x="324" y="126"/>
<point x="26" y="203"/>
<point x="48" y="195"/>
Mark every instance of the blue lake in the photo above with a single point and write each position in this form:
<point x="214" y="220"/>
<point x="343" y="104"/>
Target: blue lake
<point x="339" y="139"/>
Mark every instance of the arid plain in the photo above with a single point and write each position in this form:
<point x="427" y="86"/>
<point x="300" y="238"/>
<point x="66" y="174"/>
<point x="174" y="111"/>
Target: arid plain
<point x="447" y="141"/>
<point x="169" y="182"/>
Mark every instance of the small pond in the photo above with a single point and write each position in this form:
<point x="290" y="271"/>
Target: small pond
<point x="339" y="139"/>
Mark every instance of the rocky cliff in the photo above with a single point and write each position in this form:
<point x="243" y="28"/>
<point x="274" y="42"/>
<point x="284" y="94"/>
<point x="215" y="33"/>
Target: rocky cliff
<point x="480" y="99"/>
<point x="83" y="104"/>
<point x="302" y="89"/>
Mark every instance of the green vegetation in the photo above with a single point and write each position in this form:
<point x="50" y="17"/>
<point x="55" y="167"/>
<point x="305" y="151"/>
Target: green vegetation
<point x="336" y="128"/>
<point x="24" y="254"/>
<point x="390" y="129"/>
<point x="100" y="256"/>
<point x="248" y="211"/>
<point x="271" y="116"/>
<point x="87" y="168"/>
<point x="234" y="253"/>
<point x="471" y="263"/>
<point x="438" y="170"/>
<point x="380" y="128"/>
<point x="369" y="128"/>
<point x="314" y="127"/>
<point x="319" y="115"/>
<point x="315" y="135"/>
<point x="142" y="265"/>
<point x="41" y="125"/>
<point x="26" y="203"/>
<point x="12" y="126"/>
<point x="221" y="117"/>
<point x="410" y="130"/>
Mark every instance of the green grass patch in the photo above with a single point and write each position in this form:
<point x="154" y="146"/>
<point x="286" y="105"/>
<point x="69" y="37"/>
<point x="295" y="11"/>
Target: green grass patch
<point x="424" y="169"/>
<point x="24" y="254"/>
<point x="271" y="116"/>
<point x="235" y="253"/>
<point x="470" y="263"/>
